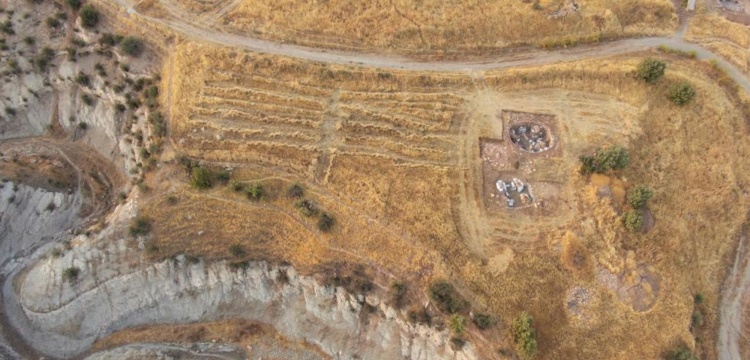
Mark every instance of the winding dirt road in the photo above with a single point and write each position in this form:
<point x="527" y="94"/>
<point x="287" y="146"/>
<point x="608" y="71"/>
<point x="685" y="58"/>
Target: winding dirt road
<point x="530" y="57"/>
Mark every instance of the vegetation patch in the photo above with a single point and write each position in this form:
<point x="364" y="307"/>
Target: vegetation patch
<point x="604" y="160"/>
<point x="140" y="226"/>
<point x="446" y="298"/>
<point x="524" y="335"/>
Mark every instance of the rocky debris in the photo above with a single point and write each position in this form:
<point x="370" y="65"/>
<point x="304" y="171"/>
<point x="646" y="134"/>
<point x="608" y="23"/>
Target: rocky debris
<point x="576" y="300"/>
<point x="570" y="8"/>
<point x="533" y="138"/>
<point x="172" y="352"/>
<point x="515" y="191"/>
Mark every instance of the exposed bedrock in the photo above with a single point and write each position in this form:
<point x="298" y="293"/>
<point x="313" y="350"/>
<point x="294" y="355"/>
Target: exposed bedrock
<point x="62" y="318"/>
<point x="30" y="217"/>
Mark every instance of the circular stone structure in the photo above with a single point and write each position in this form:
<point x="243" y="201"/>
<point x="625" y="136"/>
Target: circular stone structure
<point x="533" y="138"/>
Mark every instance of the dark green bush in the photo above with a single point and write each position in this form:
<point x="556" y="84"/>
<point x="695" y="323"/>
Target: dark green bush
<point x="326" y="222"/>
<point x="132" y="46"/>
<point x="52" y="22"/>
<point x="89" y="16"/>
<point x="524" y="335"/>
<point x="605" y="159"/>
<point x="296" y="191"/>
<point x="446" y="298"/>
<point x="74" y="4"/>
<point x="87" y="99"/>
<point x="397" y="294"/>
<point x="682" y="93"/>
<point x="484" y="321"/>
<point x="71" y="274"/>
<point x="140" y="226"/>
<point x="419" y="315"/>
<point x="223" y="176"/>
<point x="237" y="250"/>
<point x="44" y="58"/>
<point x="639" y="196"/>
<point x="237" y="186"/>
<point x="651" y="70"/>
<point x="83" y="79"/>
<point x="681" y="353"/>
<point x="306" y="207"/>
<point x="201" y="178"/>
<point x="108" y="39"/>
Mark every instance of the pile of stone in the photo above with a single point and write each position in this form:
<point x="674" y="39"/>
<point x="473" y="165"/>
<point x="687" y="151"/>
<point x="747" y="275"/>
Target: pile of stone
<point x="532" y="138"/>
<point x="515" y="191"/>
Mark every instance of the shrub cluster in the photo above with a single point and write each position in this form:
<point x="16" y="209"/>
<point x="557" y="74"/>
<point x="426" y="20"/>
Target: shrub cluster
<point x="524" y="335"/>
<point x="89" y="16"/>
<point x="201" y="177"/>
<point x="484" y="321"/>
<point x="605" y="159"/>
<point x="633" y="220"/>
<point x="651" y="70"/>
<point x="446" y="298"/>
<point x="132" y="46"/>
<point x="639" y="196"/>
<point x="681" y="353"/>
<point x="682" y="93"/>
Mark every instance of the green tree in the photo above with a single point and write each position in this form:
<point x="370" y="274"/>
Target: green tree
<point x="682" y="93"/>
<point x="89" y="16"/>
<point x="524" y="335"/>
<point x="200" y="178"/>
<point x="639" y="196"/>
<point x="651" y="70"/>
<point x="633" y="221"/>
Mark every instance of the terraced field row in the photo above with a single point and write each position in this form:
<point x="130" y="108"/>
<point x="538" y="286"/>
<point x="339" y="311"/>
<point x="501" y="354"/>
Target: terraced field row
<point x="254" y="117"/>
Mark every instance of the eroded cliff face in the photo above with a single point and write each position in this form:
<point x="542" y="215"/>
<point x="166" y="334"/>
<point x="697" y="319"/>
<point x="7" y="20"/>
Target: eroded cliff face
<point x="116" y="289"/>
<point x="30" y="217"/>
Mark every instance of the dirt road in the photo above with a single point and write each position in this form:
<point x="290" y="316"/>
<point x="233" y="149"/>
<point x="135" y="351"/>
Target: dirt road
<point x="530" y="57"/>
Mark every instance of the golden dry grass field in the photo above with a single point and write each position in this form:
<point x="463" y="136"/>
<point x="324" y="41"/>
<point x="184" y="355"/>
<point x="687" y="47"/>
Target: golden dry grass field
<point x="729" y="39"/>
<point x="396" y="158"/>
<point x="435" y="27"/>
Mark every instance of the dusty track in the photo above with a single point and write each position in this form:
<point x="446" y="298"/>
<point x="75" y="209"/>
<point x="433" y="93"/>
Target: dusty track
<point x="530" y="57"/>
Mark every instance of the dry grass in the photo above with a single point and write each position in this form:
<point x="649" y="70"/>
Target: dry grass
<point x="436" y="27"/>
<point x="243" y="333"/>
<point x="729" y="39"/>
<point x="395" y="157"/>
